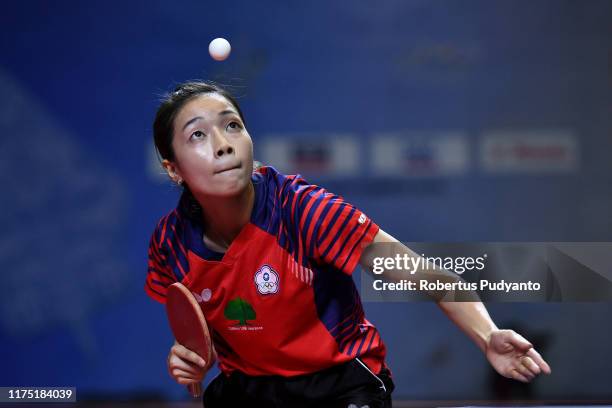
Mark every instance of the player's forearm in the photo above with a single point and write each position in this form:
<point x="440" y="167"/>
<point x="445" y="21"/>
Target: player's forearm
<point x="472" y="318"/>
<point x="386" y="247"/>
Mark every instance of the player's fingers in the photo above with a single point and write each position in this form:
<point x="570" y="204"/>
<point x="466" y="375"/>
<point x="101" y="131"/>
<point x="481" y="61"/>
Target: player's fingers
<point x="524" y="371"/>
<point x="531" y="365"/>
<point x="176" y="362"/>
<point x="186" y="381"/>
<point x="537" y="358"/>
<point x="178" y="373"/>
<point x="188" y="355"/>
<point x="514" y="374"/>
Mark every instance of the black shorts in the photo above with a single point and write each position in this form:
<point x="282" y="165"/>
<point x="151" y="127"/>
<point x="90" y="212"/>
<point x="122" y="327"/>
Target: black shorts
<point x="335" y="387"/>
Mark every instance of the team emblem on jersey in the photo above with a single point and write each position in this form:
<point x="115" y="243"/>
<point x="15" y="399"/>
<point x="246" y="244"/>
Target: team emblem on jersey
<point x="266" y="280"/>
<point x="241" y="311"/>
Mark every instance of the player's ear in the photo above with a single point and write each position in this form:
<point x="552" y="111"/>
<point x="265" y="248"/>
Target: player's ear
<point x="172" y="171"/>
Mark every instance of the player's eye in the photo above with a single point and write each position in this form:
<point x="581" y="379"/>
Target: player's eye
<point x="234" y="125"/>
<point x="197" y="135"/>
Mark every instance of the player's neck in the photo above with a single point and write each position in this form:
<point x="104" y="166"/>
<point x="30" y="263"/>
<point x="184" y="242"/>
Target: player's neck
<point x="224" y="217"/>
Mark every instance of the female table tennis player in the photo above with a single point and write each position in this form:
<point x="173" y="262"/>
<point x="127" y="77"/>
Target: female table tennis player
<point x="269" y="257"/>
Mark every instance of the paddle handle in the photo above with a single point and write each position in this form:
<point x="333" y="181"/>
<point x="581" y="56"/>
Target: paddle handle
<point x="195" y="390"/>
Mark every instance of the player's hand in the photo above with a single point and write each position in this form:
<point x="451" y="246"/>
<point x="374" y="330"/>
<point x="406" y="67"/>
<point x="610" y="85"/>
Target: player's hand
<point x="514" y="357"/>
<point x="185" y="366"/>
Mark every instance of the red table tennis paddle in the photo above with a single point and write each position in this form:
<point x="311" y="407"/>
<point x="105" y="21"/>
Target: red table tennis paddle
<point x="189" y="327"/>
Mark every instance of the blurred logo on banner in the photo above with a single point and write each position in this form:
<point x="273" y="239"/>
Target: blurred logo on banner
<point x="420" y="154"/>
<point x="529" y="151"/>
<point x="333" y="155"/>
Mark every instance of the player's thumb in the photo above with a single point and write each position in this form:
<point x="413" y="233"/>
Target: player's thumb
<point x="518" y="342"/>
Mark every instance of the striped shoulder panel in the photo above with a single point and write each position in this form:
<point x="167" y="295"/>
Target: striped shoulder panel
<point x="167" y="256"/>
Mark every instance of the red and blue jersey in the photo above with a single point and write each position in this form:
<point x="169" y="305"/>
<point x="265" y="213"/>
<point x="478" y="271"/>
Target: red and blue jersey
<point x="281" y="300"/>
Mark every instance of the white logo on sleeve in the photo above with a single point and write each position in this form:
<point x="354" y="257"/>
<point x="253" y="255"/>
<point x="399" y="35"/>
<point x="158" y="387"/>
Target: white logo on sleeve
<point x="362" y="218"/>
<point x="266" y="280"/>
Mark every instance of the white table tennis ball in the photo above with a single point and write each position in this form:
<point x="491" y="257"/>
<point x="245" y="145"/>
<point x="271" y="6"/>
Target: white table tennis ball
<point x="219" y="49"/>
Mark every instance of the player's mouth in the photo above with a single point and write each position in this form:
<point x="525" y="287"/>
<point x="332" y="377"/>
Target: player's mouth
<point x="229" y="168"/>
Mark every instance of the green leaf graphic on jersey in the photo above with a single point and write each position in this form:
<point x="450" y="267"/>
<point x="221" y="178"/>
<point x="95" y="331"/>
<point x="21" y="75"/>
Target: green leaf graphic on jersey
<point x="239" y="309"/>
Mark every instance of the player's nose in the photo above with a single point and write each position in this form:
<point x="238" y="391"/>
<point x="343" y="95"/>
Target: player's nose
<point x="222" y="145"/>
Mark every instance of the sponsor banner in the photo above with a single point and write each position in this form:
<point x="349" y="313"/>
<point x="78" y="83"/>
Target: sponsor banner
<point x="420" y="154"/>
<point x="529" y="151"/>
<point x="491" y="272"/>
<point x="312" y="154"/>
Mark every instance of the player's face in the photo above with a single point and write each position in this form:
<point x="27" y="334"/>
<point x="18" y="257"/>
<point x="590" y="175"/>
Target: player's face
<point x="213" y="150"/>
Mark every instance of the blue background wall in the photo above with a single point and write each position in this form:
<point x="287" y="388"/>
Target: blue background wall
<point x="80" y="83"/>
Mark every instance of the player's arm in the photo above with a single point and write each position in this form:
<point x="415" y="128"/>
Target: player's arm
<point x="184" y="365"/>
<point x="509" y="353"/>
<point x="471" y="317"/>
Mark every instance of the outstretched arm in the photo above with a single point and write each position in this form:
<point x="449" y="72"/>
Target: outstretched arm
<point x="509" y="353"/>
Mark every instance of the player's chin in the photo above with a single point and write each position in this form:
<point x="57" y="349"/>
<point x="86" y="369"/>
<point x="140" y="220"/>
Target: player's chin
<point x="231" y="188"/>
